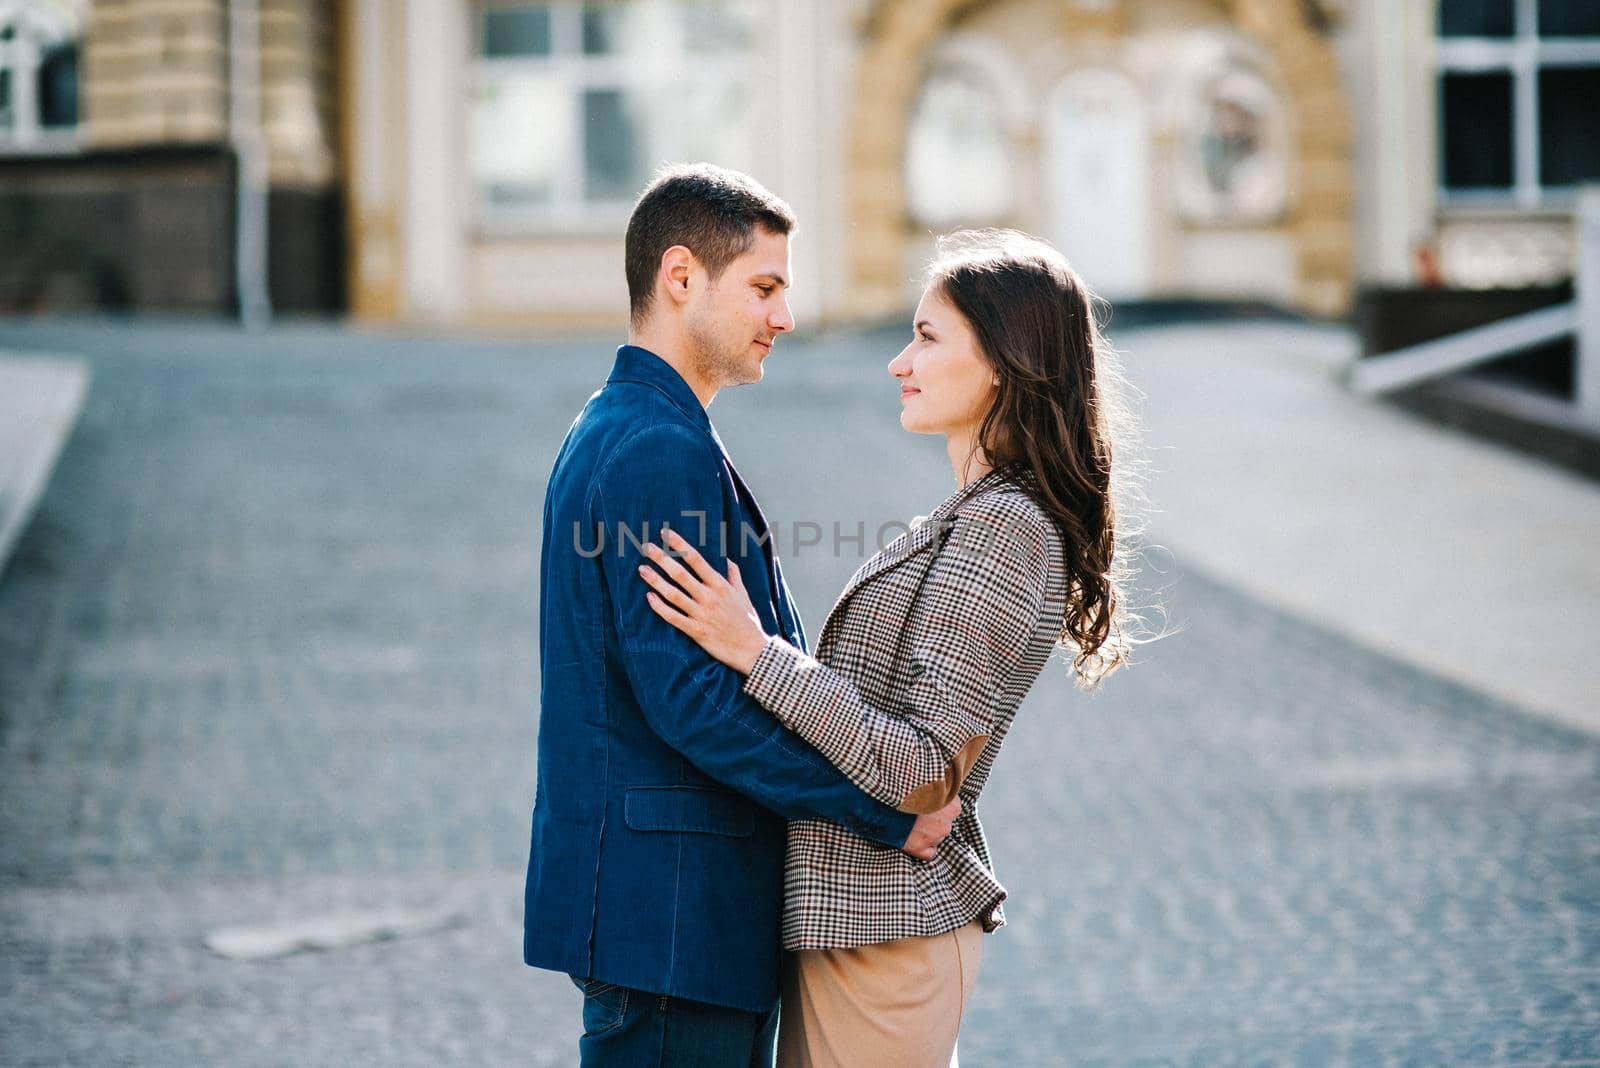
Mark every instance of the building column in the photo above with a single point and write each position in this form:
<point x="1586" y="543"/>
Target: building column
<point x="1588" y="286"/>
<point x="436" y="58"/>
<point x="800" y="177"/>
<point x="372" y="123"/>
<point x="1379" y="81"/>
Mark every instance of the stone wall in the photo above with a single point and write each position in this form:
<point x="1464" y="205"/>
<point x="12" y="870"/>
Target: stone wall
<point x="143" y="216"/>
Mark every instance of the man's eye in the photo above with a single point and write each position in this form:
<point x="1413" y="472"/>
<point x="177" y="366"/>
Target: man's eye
<point x="766" y="291"/>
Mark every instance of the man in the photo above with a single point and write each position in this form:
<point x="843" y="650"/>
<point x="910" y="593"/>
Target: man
<point x="656" y="864"/>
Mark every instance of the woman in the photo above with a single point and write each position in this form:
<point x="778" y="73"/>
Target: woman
<point x="932" y="645"/>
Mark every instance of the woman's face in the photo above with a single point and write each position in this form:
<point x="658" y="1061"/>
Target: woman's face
<point x="946" y="384"/>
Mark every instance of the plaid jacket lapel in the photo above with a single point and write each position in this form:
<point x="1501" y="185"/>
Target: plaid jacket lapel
<point x="897" y="552"/>
<point x="920" y="537"/>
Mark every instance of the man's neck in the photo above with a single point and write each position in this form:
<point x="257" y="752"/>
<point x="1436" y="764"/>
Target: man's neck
<point x="671" y="348"/>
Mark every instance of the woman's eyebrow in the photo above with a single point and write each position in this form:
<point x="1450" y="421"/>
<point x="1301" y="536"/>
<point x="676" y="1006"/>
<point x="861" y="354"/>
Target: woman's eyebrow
<point x="921" y="324"/>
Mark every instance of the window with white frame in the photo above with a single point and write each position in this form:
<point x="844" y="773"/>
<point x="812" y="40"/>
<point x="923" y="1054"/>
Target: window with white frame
<point x="576" y="103"/>
<point x="959" y="167"/>
<point x="38" y="75"/>
<point x="1518" y="83"/>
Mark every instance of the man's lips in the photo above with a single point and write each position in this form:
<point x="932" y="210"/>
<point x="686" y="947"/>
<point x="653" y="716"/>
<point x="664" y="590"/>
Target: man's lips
<point x="767" y="345"/>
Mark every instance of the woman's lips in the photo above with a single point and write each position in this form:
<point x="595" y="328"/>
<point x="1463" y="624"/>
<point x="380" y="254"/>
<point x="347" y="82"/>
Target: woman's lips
<point x="908" y="392"/>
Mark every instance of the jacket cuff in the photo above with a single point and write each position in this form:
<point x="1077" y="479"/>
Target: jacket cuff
<point x="774" y="677"/>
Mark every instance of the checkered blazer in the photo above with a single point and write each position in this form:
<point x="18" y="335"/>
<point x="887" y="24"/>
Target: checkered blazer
<point x="918" y="672"/>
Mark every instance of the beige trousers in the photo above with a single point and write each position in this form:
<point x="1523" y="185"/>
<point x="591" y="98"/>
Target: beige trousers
<point x="886" y="1005"/>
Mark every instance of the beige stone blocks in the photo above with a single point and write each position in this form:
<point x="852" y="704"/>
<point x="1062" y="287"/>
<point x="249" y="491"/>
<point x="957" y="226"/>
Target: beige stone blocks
<point x="155" y="72"/>
<point x="1326" y="296"/>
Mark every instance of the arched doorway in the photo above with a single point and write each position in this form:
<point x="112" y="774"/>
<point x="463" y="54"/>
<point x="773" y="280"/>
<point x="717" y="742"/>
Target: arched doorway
<point x="897" y="36"/>
<point x="1097" y="160"/>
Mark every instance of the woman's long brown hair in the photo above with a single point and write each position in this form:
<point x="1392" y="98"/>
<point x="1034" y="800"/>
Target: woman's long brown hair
<point x="1053" y="426"/>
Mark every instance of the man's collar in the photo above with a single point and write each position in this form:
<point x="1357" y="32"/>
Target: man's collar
<point x="635" y="364"/>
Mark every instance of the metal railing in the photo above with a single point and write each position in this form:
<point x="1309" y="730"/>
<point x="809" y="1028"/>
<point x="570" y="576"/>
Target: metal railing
<point x="1434" y="359"/>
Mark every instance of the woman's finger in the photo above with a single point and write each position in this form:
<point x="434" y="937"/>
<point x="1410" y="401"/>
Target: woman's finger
<point x="674" y="570"/>
<point x="736" y="581"/>
<point x="692" y="557"/>
<point x="668" y="613"/>
<point x="658" y="582"/>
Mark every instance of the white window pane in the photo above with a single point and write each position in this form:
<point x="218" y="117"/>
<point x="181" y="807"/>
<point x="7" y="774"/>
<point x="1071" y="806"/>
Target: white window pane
<point x="605" y="28"/>
<point x="58" y="86"/>
<point x="715" y="27"/>
<point x="660" y="29"/>
<point x="519" y="127"/>
<point x="716" y="124"/>
<point x="1475" y="130"/>
<point x="1569" y="18"/>
<point x="517" y="31"/>
<point x="958" y="164"/>
<point x="614" y="150"/>
<point x="587" y="131"/>
<point x="642" y="30"/>
<point x="1569" y="125"/>
<point x="1477" y="18"/>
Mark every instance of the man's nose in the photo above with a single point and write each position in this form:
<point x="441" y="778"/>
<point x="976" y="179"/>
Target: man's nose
<point x="783" y="320"/>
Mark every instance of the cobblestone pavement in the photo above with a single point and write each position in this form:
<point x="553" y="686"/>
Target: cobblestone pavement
<point x="267" y="651"/>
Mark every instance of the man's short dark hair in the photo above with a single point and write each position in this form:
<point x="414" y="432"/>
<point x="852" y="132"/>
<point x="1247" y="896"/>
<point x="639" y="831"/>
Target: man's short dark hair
<point x="710" y="210"/>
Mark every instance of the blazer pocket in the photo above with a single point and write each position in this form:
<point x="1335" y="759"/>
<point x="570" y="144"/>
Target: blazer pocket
<point x="692" y="809"/>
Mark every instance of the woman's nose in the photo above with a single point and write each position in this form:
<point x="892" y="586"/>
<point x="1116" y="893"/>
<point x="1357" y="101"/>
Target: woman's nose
<point x="900" y="366"/>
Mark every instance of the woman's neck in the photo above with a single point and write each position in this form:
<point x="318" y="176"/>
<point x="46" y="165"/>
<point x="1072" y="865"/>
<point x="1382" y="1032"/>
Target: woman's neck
<point x="967" y="461"/>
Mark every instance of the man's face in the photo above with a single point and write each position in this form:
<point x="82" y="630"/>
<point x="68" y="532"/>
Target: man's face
<point x="735" y="319"/>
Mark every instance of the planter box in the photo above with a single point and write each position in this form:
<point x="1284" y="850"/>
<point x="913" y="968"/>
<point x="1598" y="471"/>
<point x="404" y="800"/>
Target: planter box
<point x="152" y="230"/>
<point x="1390" y="318"/>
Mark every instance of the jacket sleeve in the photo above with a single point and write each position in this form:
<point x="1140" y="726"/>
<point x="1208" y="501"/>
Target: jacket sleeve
<point x="977" y="610"/>
<point x="670" y="475"/>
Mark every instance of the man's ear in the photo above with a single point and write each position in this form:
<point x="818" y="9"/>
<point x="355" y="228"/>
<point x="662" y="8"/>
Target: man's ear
<point x="678" y="266"/>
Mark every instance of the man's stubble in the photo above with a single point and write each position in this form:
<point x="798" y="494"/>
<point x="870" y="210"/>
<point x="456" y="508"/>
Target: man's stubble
<point x="725" y="363"/>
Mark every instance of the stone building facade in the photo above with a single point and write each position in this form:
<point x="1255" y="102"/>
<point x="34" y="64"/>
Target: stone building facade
<point x="473" y="161"/>
<point x="134" y="203"/>
<point x="1044" y="93"/>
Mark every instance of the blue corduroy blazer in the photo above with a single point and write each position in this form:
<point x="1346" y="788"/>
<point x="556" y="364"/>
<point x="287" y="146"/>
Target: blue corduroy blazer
<point x="663" y="791"/>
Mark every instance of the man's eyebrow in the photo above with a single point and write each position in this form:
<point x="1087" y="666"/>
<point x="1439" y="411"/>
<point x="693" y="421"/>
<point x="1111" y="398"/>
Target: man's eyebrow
<point x="773" y="276"/>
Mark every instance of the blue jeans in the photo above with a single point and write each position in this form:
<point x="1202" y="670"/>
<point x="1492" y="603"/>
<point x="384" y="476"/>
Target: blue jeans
<point x="626" y="1028"/>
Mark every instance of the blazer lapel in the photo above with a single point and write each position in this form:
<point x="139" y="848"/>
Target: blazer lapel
<point x="762" y="531"/>
<point x="894" y="554"/>
<point x="919" y="539"/>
